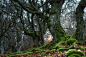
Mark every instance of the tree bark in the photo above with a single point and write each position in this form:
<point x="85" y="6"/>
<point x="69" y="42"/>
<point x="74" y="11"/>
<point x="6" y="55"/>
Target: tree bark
<point x="40" y="28"/>
<point x="56" y="28"/>
<point x="80" y="22"/>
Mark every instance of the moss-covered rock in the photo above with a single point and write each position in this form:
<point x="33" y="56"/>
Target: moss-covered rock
<point x="74" y="53"/>
<point x="70" y="41"/>
<point x="82" y="47"/>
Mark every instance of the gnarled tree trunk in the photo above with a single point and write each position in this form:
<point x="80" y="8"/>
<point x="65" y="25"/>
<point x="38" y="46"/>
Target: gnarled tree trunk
<point x="80" y="22"/>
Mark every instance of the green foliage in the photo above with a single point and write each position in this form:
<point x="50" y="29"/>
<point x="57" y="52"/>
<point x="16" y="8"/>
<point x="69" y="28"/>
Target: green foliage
<point x="74" y="53"/>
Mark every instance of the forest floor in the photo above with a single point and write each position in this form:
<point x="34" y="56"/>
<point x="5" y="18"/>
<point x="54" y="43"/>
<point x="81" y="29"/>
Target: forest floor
<point x="60" y="53"/>
<point x="54" y="54"/>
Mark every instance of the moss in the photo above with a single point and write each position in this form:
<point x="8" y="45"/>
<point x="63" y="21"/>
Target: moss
<point x="65" y="38"/>
<point x="57" y="45"/>
<point x="50" y="45"/>
<point x="70" y="41"/>
<point x="75" y="34"/>
<point x="71" y="47"/>
<point x="61" y="46"/>
<point x="84" y="42"/>
<point x="47" y="51"/>
<point x="17" y="55"/>
<point x="29" y="50"/>
<point x="37" y="49"/>
<point x="80" y="43"/>
<point x="1" y="54"/>
<point x="59" y="31"/>
<point x="44" y="46"/>
<point x="74" y="53"/>
<point x="82" y="47"/>
<point x="13" y="54"/>
<point x="60" y="49"/>
<point x="24" y="51"/>
<point x="40" y="51"/>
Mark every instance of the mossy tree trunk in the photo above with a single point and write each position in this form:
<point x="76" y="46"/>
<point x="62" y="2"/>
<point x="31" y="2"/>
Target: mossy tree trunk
<point x="80" y="22"/>
<point x="56" y="29"/>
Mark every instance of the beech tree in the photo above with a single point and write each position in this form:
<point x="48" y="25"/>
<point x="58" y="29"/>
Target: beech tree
<point x="44" y="17"/>
<point x="32" y="18"/>
<point x="80" y="21"/>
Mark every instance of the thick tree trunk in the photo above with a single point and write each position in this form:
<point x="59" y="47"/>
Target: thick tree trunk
<point x="55" y="28"/>
<point x="80" y="22"/>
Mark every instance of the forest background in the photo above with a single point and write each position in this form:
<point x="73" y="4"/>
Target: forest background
<point x="24" y="22"/>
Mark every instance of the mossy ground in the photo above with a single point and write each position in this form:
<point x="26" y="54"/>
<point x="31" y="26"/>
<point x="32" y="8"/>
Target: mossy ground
<point x="61" y="46"/>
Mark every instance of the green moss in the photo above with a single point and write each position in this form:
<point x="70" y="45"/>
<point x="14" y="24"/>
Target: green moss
<point x="1" y="54"/>
<point x="57" y="45"/>
<point x="40" y="51"/>
<point x="84" y="42"/>
<point x="50" y="45"/>
<point x="71" y="47"/>
<point x="47" y="51"/>
<point x="74" y="53"/>
<point x="53" y="50"/>
<point x="37" y="49"/>
<point x="13" y="54"/>
<point x="17" y="54"/>
<point x="24" y="51"/>
<point x="29" y="50"/>
<point x="59" y="31"/>
<point x="82" y="47"/>
<point x="70" y="41"/>
<point x="80" y="43"/>
<point x="44" y="46"/>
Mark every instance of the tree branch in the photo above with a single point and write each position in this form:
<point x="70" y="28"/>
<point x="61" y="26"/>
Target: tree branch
<point x="25" y="7"/>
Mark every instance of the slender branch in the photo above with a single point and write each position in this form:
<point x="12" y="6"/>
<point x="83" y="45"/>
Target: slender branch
<point x="33" y="5"/>
<point x="45" y="3"/>
<point x="5" y="31"/>
<point x="25" y="7"/>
